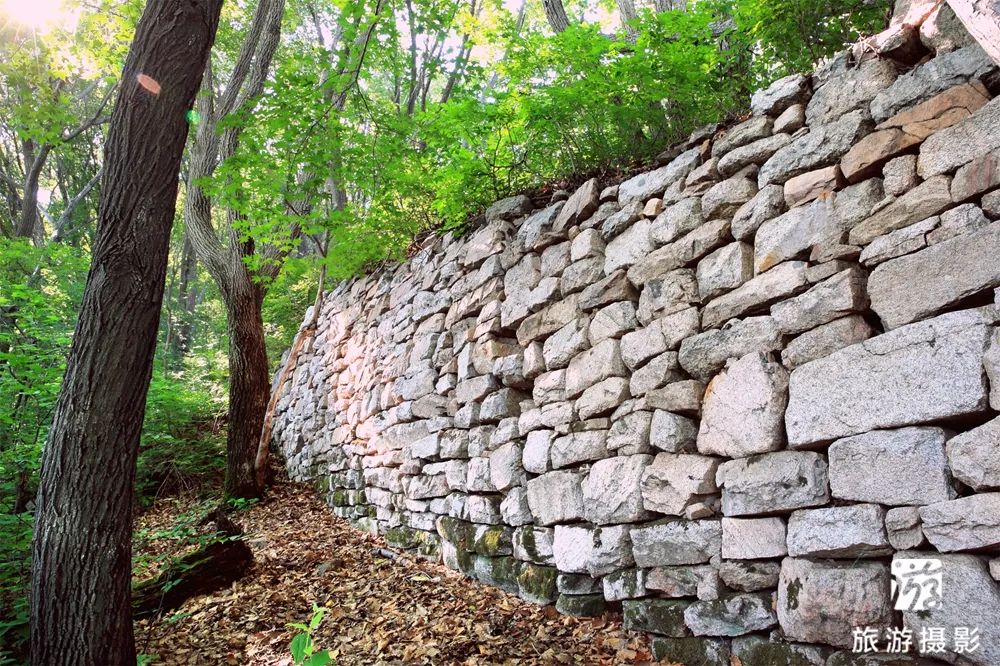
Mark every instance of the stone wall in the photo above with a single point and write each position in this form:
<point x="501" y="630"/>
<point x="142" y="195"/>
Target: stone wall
<point x="724" y="395"/>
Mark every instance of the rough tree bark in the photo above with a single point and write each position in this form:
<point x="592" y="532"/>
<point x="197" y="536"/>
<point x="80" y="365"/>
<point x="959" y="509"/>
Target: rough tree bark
<point x="556" y="15"/>
<point x="34" y="160"/>
<point x="668" y="5"/>
<point x="249" y="384"/>
<point x="628" y="13"/>
<point x="81" y="568"/>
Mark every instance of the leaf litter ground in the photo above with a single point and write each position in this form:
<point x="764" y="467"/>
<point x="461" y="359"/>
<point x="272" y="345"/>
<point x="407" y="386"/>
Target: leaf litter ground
<point x="381" y="610"/>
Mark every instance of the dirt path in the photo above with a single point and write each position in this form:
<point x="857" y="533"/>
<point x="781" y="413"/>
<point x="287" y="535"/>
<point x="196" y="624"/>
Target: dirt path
<point x="382" y="611"/>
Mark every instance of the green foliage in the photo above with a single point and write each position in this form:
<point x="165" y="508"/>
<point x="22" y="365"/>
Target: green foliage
<point x="575" y="102"/>
<point x="302" y="647"/>
<point x="15" y="563"/>
<point x="548" y="107"/>
<point x="183" y="443"/>
<point x="161" y="549"/>
<point x="40" y="291"/>
<point x="288" y="297"/>
<point x="792" y="35"/>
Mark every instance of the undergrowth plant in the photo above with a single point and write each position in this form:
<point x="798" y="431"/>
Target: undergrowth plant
<point x="302" y="647"/>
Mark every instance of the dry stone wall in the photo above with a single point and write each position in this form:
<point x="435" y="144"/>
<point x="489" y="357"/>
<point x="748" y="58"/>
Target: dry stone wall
<point x="724" y="395"/>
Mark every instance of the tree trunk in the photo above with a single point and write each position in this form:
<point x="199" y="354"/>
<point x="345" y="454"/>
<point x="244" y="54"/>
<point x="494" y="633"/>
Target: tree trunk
<point x="81" y="611"/>
<point x="181" y="332"/>
<point x="627" y="10"/>
<point x="556" y="14"/>
<point x="669" y="5"/>
<point x="33" y="163"/>
<point x="249" y="386"/>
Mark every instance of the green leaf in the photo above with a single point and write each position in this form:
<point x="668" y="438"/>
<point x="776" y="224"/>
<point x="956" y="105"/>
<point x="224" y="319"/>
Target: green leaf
<point x="319" y="659"/>
<point x="318" y="613"/>
<point x="299" y="646"/>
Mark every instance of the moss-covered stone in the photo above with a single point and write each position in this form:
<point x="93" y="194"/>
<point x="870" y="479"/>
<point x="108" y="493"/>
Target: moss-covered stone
<point x="349" y="479"/>
<point x="533" y="544"/>
<point x="659" y="616"/>
<point x="493" y="540"/>
<point x="428" y="545"/>
<point x="581" y="605"/>
<point x="569" y="583"/>
<point x="732" y="614"/>
<point x="456" y="559"/>
<point x="498" y="571"/>
<point x="759" y="650"/>
<point x="321" y="484"/>
<point x="537" y="584"/>
<point x="366" y="524"/>
<point x="693" y="650"/>
<point x="458" y="532"/>
<point x="403" y="538"/>
<point x="625" y="584"/>
<point x="339" y="498"/>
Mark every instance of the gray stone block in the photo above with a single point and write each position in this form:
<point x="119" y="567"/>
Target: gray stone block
<point x="893" y="467"/>
<point x="821" y="602"/>
<point x="921" y="372"/>
<point x="612" y="492"/>
<point x="744" y="409"/>
<point x="773" y="482"/>
<point x="853" y="531"/>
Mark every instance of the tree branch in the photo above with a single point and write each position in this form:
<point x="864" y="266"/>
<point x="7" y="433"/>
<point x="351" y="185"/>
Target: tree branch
<point x="67" y="213"/>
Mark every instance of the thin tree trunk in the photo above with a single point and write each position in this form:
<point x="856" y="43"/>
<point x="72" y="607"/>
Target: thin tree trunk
<point x="457" y="71"/>
<point x="62" y="224"/>
<point x="81" y="611"/>
<point x="249" y="387"/>
<point x="34" y="160"/>
<point x="518" y="27"/>
<point x="411" y="98"/>
<point x="181" y="330"/>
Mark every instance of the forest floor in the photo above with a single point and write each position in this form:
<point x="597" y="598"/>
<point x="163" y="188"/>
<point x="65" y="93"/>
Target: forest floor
<point x="381" y="610"/>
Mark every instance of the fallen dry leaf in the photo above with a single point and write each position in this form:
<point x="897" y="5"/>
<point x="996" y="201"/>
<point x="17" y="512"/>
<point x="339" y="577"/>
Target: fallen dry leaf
<point x="382" y="611"/>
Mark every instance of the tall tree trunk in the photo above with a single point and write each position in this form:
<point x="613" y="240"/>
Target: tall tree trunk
<point x="81" y="611"/>
<point x="556" y="15"/>
<point x="249" y="386"/>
